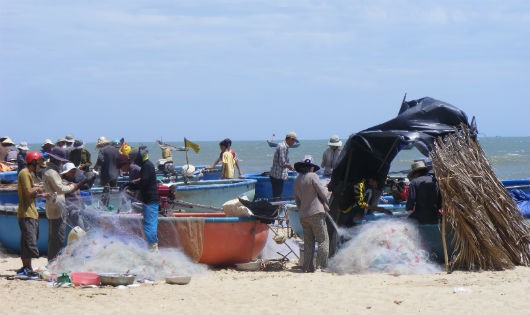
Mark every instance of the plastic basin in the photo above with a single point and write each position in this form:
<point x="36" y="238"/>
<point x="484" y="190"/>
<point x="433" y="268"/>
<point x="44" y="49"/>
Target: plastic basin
<point x="85" y="278"/>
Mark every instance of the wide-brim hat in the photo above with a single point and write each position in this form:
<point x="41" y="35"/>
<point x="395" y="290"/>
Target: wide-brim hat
<point x="59" y="154"/>
<point x="417" y="166"/>
<point x="47" y="141"/>
<point x="292" y="135"/>
<point x="8" y="141"/>
<point x="335" y="141"/>
<point x="102" y="141"/>
<point x="69" y="139"/>
<point x="306" y="162"/>
<point x="78" y="144"/>
<point x="23" y="146"/>
<point x="67" y="167"/>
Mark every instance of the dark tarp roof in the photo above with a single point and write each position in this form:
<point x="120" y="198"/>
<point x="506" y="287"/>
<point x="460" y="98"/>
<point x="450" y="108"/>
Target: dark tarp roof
<point x="370" y="152"/>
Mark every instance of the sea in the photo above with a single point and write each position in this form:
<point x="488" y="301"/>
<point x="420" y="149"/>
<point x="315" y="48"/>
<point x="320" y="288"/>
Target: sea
<point x="509" y="156"/>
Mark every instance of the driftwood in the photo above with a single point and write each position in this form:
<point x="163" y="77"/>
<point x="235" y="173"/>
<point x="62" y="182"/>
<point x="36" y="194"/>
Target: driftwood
<point x="489" y="232"/>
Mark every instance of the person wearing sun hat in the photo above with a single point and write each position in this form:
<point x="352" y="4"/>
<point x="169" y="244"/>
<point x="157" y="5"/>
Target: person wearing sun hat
<point x="280" y="164"/>
<point x="312" y="202"/>
<point x="424" y="198"/>
<point x="6" y="144"/>
<point x="21" y="156"/>
<point x="106" y="163"/>
<point x="55" y="205"/>
<point x="80" y="156"/>
<point x="330" y="158"/>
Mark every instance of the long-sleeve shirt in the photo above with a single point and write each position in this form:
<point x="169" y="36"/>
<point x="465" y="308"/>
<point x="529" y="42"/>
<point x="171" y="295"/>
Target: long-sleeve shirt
<point x="310" y="195"/>
<point x="147" y="184"/>
<point x="53" y="184"/>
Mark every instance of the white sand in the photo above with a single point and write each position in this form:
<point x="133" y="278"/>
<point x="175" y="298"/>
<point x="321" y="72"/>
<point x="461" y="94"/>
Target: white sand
<point x="229" y="291"/>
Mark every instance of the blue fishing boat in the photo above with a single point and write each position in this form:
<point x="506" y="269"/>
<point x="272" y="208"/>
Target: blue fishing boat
<point x="264" y="187"/>
<point x="8" y="177"/>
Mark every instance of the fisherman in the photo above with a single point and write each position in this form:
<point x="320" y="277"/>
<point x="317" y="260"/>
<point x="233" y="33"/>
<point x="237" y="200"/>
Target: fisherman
<point x="69" y="144"/>
<point x="5" y="146"/>
<point x="280" y="165"/>
<point x="424" y="199"/>
<point x="107" y="167"/>
<point x="21" y="156"/>
<point x="365" y="199"/>
<point x="148" y="189"/>
<point x="330" y="158"/>
<point x="55" y="204"/>
<point x="80" y="156"/>
<point x="46" y="148"/>
<point x="312" y="202"/>
<point x="28" y="192"/>
<point x="74" y="205"/>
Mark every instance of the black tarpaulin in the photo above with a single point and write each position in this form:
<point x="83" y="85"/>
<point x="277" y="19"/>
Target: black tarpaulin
<point x="370" y="152"/>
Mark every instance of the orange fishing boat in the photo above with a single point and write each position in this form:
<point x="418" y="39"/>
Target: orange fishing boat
<point x="207" y="238"/>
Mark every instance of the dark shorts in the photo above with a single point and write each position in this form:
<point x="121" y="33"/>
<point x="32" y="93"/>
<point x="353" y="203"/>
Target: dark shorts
<point x="29" y="234"/>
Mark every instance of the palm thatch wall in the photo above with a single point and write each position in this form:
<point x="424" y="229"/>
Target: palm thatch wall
<point x="489" y="232"/>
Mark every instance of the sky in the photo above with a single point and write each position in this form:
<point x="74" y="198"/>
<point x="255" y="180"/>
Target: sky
<point x="206" y="70"/>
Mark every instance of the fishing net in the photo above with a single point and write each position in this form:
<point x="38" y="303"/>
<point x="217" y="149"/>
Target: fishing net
<point x="382" y="246"/>
<point x="101" y="252"/>
<point x="489" y="231"/>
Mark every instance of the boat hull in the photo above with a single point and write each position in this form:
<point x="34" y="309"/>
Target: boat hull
<point x="263" y="189"/>
<point x="207" y="238"/>
<point x="10" y="231"/>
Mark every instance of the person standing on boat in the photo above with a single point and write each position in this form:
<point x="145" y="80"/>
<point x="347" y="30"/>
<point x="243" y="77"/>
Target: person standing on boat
<point x="280" y="165"/>
<point x="147" y="186"/>
<point x="311" y="200"/>
<point x="424" y="199"/>
<point x="27" y="215"/>
<point x="330" y="157"/>
<point x="56" y="203"/>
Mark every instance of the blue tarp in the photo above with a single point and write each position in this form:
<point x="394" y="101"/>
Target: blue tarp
<point x="523" y="201"/>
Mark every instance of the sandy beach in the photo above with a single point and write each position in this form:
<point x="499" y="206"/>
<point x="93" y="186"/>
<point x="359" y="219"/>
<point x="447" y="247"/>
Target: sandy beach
<point x="229" y="291"/>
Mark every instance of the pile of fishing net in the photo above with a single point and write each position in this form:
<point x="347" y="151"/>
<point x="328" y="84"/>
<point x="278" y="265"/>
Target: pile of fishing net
<point x="383" y="246"/>
<point x="102" y="253"/>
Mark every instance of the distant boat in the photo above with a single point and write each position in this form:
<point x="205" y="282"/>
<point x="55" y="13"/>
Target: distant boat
<point x="273" y="144"/>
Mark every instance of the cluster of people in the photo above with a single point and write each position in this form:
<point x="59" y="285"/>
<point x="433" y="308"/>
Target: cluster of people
<point x="59" y="171"/>
<point x="422" y="196"/>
